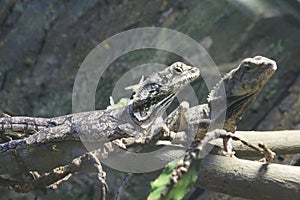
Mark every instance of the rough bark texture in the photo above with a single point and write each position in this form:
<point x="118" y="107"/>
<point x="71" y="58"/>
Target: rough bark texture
<point x="42" y="44"/>
<point x="281" y="142"/>
<point x="248" y="179"/>
<point x="61" y="153"/>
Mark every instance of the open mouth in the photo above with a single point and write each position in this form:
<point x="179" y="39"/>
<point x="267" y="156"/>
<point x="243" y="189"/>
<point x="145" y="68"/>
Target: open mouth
<point x="193" y="76"/>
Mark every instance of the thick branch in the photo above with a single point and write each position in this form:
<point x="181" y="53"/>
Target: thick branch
<point x="281" y="142"/>
<point x="42" y="158"/>
<point x="249" y="179"/>
<point x="45" y="157"/>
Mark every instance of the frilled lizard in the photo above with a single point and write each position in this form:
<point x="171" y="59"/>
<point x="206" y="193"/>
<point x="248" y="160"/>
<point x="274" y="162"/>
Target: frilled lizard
<point x="134" y="120"/>
<point x="242" y="85"/>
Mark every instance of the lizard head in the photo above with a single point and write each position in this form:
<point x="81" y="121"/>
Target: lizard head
<point x="157" y="92"/>
<point x="250" y="76"/>
<point x="243" y="84"/>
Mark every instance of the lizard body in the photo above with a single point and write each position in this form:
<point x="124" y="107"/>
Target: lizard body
<point x="134" y="120"/>
<point x="242" y="85"/>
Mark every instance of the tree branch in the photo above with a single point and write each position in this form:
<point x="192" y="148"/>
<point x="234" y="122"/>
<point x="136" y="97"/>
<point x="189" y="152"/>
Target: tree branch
<point x="45" y="157"/>
<point x="42" y="158"/>
<point x="281" y="142"/>
<point x="249" y="179"/>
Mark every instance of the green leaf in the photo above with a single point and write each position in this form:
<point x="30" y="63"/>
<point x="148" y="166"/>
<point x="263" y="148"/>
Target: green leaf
<point x="161" y="182"/>
<point x="179" y="190"/>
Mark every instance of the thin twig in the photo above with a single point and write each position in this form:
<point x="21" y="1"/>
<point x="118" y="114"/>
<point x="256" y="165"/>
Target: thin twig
<point x="123" y="185"/>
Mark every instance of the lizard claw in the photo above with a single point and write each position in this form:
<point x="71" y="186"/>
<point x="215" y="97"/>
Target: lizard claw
<point x="269" y="155"/>
<point x="120" y="143"/>
<point x="229" y="154"/>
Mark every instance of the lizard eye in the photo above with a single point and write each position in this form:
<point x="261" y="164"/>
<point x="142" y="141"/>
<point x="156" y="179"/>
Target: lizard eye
<point x="247" y="67"/>
<point x="153" y="86"/>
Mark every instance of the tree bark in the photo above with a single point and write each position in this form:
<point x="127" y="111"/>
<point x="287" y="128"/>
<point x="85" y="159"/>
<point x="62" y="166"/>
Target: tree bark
<point x="281" y="142"/>
<point x="44" y="157"/>
<point x="249" y="179"/>
<point x="237" y="177"/>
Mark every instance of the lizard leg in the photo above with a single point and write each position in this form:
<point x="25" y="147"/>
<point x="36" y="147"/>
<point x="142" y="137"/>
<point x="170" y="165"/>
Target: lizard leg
<point x="177" y="118"/>
<point x="172" y="131"/>
<point x="193" y="154"/>
<point x="228" y="149"/>
<point x="165" y="131"/>
<point x="177" y="134"/>
<point x="269" y="155"/>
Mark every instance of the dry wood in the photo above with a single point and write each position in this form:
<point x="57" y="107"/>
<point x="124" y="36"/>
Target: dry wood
<point x="249" y="179"/>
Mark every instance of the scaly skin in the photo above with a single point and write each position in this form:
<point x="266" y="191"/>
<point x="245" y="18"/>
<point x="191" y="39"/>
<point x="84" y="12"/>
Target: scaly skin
<point x="242" y="85"/>
<point x="134" y="120"/>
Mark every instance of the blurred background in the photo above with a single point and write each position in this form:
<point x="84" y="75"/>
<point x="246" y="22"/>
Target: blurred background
<point x="43" y="43"/>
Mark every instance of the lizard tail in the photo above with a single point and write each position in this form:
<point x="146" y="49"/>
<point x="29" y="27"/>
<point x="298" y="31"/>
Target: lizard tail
<point x="23" y="124"/>
<point x="53" y="134"/>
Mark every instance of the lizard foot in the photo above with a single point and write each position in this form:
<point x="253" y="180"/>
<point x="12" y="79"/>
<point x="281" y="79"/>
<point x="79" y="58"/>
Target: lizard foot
<point x="229" y="154"/>
<point x="228" y="149"/>
<point x="269" y="155"/>
<point x="120" y="143"/>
